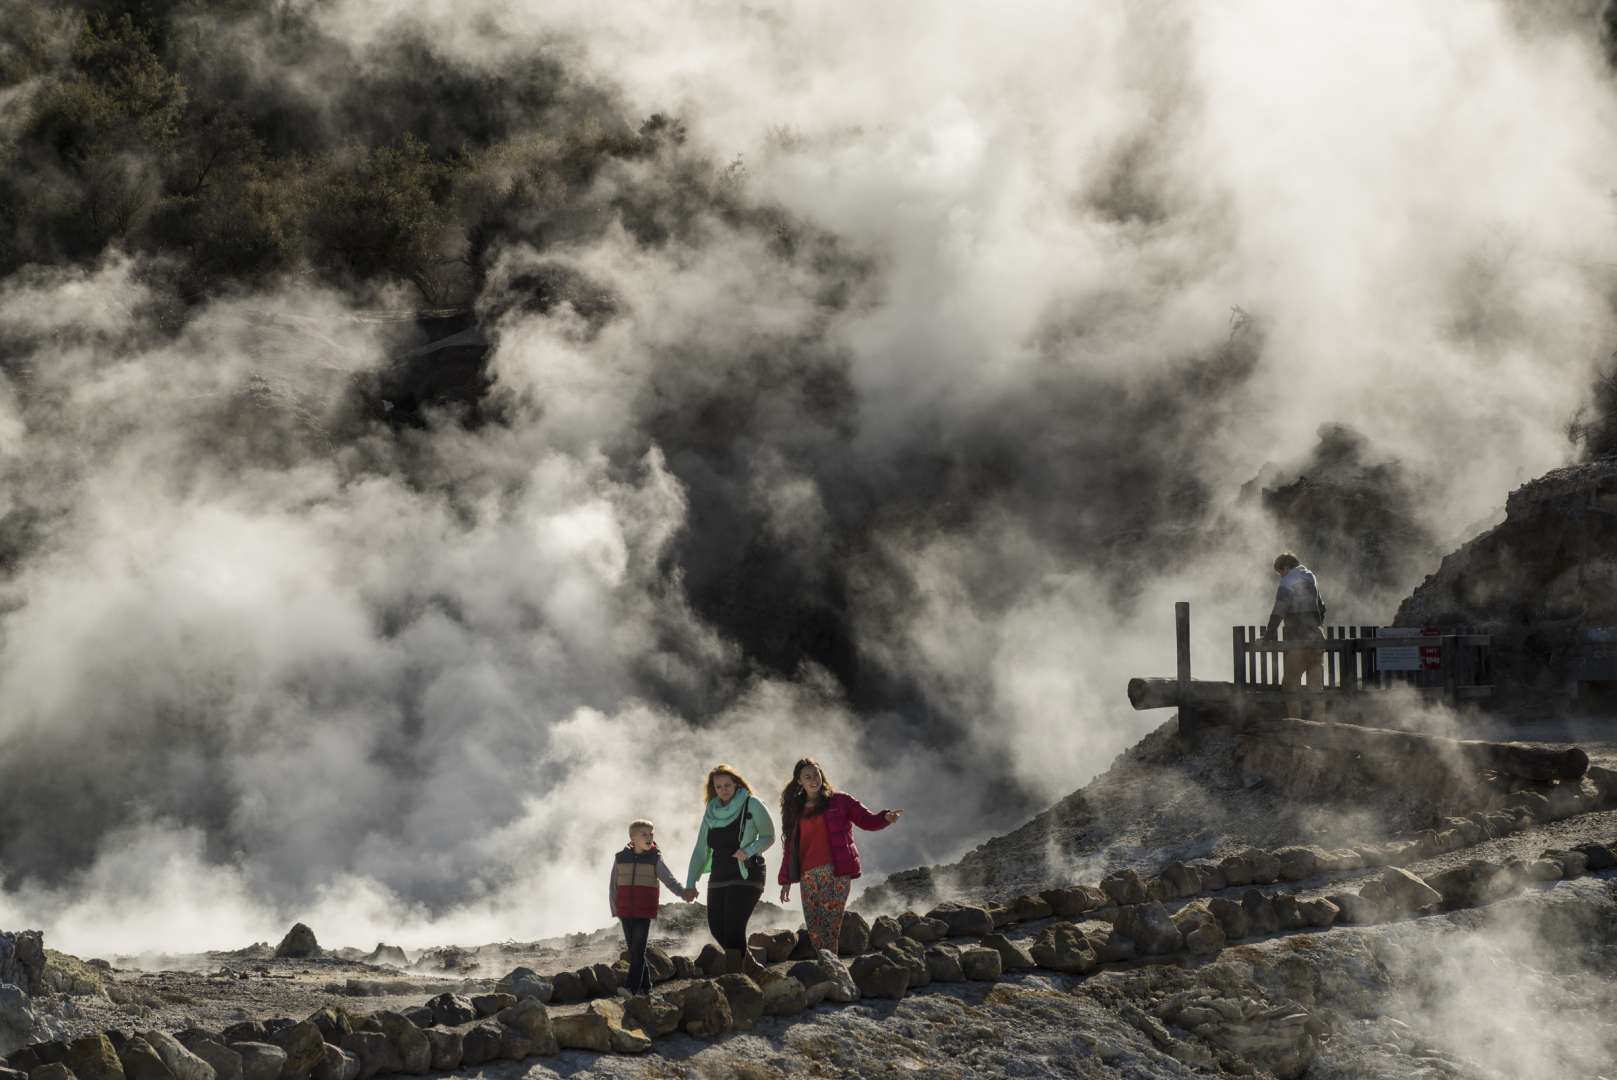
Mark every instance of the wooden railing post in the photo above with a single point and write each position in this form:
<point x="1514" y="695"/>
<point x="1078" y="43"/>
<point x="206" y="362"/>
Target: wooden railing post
<point x="1181" y="633"/>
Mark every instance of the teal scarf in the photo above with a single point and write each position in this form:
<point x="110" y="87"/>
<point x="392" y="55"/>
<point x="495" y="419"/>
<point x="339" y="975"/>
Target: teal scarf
<point x="718" y="815"/>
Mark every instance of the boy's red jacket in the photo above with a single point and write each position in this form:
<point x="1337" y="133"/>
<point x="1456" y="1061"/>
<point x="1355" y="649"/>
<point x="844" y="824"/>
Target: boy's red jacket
<point x="635" y="891"/>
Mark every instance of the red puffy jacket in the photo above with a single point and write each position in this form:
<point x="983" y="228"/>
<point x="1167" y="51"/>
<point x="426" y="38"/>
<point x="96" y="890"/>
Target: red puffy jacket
<point x="842" y="813"/>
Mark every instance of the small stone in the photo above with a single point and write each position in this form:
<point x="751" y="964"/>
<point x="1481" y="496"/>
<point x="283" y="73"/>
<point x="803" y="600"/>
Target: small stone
<point x="1031" y="908"/>
<point x="298" y="944"/>
<point x="1265" y="866"/>
<point x="826" y="971"/>
<point x="1299" y="863"/>
<point x="1211" y="874"/>
<point x="1231" y="916"/>
<point x="777" y="945"/>
<point x="1288" y="913"/>
<point x="659" y="963"/>
<point x="1181" y="881"/>
<point x="912" y="955"/>
<point x="926" y="930"/>
<point x="1597" y="856"/>
<point x="1237" y="870"/>
<point x="711" y="961"/>
<point x="1151" y="928"/>
<point x="704" y="1010"/>
<point x="1260" y="912"/>
<point x="1067" y="902"/>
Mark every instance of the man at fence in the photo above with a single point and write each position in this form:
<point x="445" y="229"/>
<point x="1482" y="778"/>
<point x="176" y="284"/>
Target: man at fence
<point x="1301" y="610"/>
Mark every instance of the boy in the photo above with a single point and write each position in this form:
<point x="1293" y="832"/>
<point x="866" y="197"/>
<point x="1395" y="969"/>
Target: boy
<point x="633" y="895"/>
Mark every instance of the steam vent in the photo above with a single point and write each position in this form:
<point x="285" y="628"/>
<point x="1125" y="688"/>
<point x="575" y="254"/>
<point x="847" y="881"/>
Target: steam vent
<point x="808" y="541"/>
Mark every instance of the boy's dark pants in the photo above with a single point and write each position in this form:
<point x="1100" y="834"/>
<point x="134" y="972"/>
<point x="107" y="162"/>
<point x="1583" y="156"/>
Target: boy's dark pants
<point x="635" y="933"/>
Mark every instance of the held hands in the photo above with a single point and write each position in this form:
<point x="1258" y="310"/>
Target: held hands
<point x="688" y="895"/>
<point x="741" y="856"/>
<point x="892" y="815"/>
<point x="785" y="894"/>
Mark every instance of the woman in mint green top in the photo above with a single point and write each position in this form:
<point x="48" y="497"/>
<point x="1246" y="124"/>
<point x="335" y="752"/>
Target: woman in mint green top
<point x="736" y="830"/>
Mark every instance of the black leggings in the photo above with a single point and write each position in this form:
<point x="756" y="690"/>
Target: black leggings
<point x="728" y="909"/>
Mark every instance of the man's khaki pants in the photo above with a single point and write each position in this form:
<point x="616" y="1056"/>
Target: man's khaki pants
<point x="1311" y="661"/>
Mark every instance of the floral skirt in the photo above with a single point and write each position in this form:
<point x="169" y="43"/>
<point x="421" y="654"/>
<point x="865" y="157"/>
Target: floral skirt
<point x="824" y="897"/>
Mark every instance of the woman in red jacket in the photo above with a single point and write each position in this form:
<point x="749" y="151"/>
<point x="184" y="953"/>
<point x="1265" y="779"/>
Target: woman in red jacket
<point x="817" y="823"/>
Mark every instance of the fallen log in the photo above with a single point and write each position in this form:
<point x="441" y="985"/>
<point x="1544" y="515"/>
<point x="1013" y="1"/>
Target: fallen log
<point x="1512" y="759"/>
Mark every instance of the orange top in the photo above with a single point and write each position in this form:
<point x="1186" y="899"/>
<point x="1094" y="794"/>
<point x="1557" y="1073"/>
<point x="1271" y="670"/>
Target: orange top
<point x="813" y="844"/>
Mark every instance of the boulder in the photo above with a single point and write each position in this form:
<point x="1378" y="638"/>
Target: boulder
<point x="1180" y="881"/>
<point x="1573" y="863"/>
<point x="1260" y="912"/>
<point x="448" y="1047"/>
<point x="600" y="1028"/>
<point x="480" y="1045"/>
<point x="532" y="1020"/>
<point x="943" y="964"/>
<point x="489" y="1004"/>
<point x="592" y="984"/>
<point x="1543" y="870"/>
<point x="963" y="920"/>
<point x="22" y="960"/>
<point x="883" y="930"/>
<point x="1030" y="909"/>
<point x="1237" y="870"/>
<point x="911" y="954"/>
<point x="1124" y="888"/>
<point x="921" y="929"/>
<point x="93" y="1058"/>
<point x="1111" y="946"/>
<point x="450" y="1010"/>
<point x="1151" y="928"/>
<point x="184" y="1065"/>
<point x="523" y="982"/>
<point x="245" y="1031"/>
<point x="333" y="1023"/>
<point x="419" y="1015"/>
<point x="746" y="999"/>
<point x="704" y="1010"/>
<point x="711" y="961"/>
<point x="658" y="962"/>
<point x="656" y="1016"/>
<point x="298" y="944"/>
<point x="16" y="1017"/>
<point x="981" y="964"/>
<point x="1408" y="891"/>
<point x="1355" y="909"/>
<point x="1288" y="913"/>
<point x="334" y="1063"/>
<point x="1070" y="901"/>
<point x="1001" y="914"/>
<point x="880" y="976"/>
<point x="1318" y="912"/>
<point x="387" y="956"/>
<point x="855" y="936"/>
<point x="1231" y="917"/>
<point x="408" y="1041"/>
<point x="826" y="972"/>
<point x="1300" y="862"/>
<point x="685" y="967"/>
<point x="141" y="1062"/>
<point x="1265" y="866"/>
<point x="783" y="995"/>
<point x="1012" y="957"/>
<point x="567" y="988"/>
<point x="304" y="1045"/>
<point x="54" y="1071"/>
<point x="1060" y="947"/>
<point x="259" y="1060"/>
<point x="777" y="945"/>
<point x="1210" y="873"/>
<point x="225" y="1061"/>
<point x="1597" y="856"/>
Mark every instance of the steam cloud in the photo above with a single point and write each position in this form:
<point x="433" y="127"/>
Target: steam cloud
<point x="913" y="493"/>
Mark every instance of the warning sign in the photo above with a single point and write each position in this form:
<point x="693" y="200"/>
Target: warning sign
<point x="1415" y="656"/>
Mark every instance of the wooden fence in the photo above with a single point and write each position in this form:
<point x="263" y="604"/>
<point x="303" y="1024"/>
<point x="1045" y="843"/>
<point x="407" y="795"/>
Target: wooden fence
<point x="1453" y="663"/>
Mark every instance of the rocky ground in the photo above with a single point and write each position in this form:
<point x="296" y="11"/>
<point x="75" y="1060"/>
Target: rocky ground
<point x="1521" y="987"/>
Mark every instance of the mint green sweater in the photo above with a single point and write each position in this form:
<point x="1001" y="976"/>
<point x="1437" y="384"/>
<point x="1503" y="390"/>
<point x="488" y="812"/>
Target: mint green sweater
<point x="757" y="833"/>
